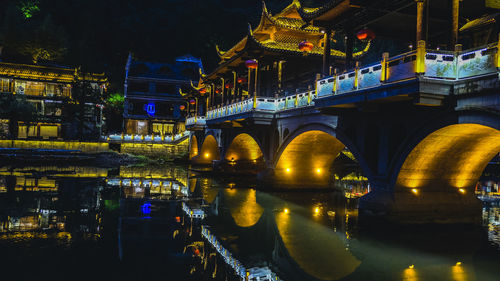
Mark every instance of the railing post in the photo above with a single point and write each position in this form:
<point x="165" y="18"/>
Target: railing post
<point x="498" y="52"/>
<point x="420" y="62"/>
<point x="383" y="72"/>
<point x="255" y="101"/>
<point x="335" y="81"/>
<point x="458" y="50"/>
<point x="356" y="76"/>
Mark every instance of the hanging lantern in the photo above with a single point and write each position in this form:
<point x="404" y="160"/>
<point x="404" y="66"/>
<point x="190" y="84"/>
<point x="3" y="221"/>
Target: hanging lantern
<point x="217" y="91"/>
<point x="229" y="86"/>
<point x="203" y="90"/>
<point x="365" y="35"/>
<point x="192" y="102"/>
<point x="251" y="64"/>
<point x="182" y="107"/>
<point x="241" y="80"/>
<point x="306" y="46"/>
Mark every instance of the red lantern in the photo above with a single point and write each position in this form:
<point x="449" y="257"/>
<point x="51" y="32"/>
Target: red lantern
<point x="241" y="80"/>
<point x="203" y="90"/>
<point x="229" y="86"/>
<point x="178" y="219"/>
<point x="251" y="64"/>
<point x="182" y="107"/>
<point x="217" y="91"/>
<point x="365" y="35"/>
<point x="192" y="102"/>
<point x="306" y="46"/>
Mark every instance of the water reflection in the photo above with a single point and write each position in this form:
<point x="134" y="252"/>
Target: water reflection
<point x="132" y="218"/>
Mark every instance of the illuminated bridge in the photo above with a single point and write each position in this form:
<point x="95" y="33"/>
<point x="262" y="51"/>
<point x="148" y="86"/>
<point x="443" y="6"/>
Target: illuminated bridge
<point x="422" y="125"/>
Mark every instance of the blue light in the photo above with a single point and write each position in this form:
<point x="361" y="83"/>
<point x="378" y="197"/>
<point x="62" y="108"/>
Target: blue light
<point x="150" y="108"/>
<point x="146" y="208"/>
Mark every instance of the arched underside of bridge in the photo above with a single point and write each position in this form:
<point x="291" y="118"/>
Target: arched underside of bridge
<point x="244" y="148"/>
<point x="307" y="159"/>
<point x="209" y="151"/>
<point x="194" y="147"/>
<point x="440" y="173"/>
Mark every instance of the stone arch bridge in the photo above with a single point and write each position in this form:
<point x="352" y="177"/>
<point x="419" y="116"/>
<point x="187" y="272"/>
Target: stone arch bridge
<point x="421" y="139"/>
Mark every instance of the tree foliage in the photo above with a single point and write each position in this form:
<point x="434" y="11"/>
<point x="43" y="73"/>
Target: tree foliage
<point x="16" y="108"/>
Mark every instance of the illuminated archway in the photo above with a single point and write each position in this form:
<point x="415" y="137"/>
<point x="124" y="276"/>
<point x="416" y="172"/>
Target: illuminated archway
<point x="307" y="158"/>
<point x="244" y="148"/>
<point x="451" y="157"/>
<point x="194" y="147"/>
<point x="209" y="151"/>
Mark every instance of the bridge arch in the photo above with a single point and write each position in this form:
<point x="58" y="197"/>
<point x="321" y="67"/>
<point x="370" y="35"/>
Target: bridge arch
<point x="244" y="147"/>
<point x="453" y="156"/>
<point x="306" y="156"/>
<point x="193" y="150"/>
<point x="209" y="150"/>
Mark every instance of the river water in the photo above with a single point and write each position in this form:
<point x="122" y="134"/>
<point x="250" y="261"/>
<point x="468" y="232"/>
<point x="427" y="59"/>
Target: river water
<point x="128" y="223"/>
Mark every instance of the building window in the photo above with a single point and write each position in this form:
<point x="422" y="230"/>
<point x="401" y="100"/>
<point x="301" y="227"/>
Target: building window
<point x="4" y="85"/>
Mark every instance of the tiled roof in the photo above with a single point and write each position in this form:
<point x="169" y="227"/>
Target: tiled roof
<point x="291" y="45"/>
<point x="44" y="73"/>
<point x="488" y="19"/>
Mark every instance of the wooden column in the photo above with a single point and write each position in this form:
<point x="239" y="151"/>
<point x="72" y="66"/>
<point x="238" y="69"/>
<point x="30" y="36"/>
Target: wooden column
<point x="256" y="80"/>
<point x="420" y="16"/>
<point x="349" y="46"/>
<point x="454" y="22"/>
<point x="327" y="51"/>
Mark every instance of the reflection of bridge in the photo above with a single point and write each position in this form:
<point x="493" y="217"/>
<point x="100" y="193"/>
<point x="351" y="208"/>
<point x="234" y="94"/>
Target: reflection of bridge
<point x="422" y="126"/>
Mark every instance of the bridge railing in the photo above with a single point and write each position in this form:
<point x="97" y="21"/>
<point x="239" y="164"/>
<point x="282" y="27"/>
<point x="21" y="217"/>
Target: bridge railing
<point x="435" y="64"/>
<point x="263" y="104"/>
<point x="126" y="138"/>
<point x="196" y="120"/>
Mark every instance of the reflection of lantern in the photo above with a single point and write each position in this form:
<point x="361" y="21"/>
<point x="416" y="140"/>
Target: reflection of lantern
<point x="229" y="86"/>
<point x="178" y="219"/>
<point x="217" y="91"/>
<point x="203" y="90"/>
<point x="252" y="64"/>
<point x="365" y="35"/>
<point x="192" y="102"/>
<point x="241" y="80"/>
<point x="182" y="107"/>
<point x="306" y="46"/>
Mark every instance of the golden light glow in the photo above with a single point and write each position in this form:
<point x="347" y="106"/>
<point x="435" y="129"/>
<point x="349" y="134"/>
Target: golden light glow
<point x="308" y="155"/>
<point x="243" y="206"/>
<point x="243" y="147"/>
<point x="414" y="190"/>
<point x="286" y="210"/>
<point x="454" y="156"/>
<point x="458" y="263"/>
<point x="411" y="266"/>
<point x="209" y="150"/>
<point x="194" y="147"/>
<point x="316" y="249"/>
<point x="461" y="190"/>
<point x="316" y="210"/>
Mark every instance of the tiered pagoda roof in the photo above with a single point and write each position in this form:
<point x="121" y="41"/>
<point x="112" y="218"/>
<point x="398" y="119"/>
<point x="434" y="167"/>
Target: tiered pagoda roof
<point x="47" y="74"/>
<point x="279" y="34"/>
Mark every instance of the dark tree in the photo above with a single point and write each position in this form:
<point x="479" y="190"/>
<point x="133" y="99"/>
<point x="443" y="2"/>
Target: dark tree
<point x="16" y="108"/>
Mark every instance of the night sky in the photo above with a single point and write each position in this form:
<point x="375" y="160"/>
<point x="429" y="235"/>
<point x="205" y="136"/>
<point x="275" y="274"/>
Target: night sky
<point x="98" y="35"/>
